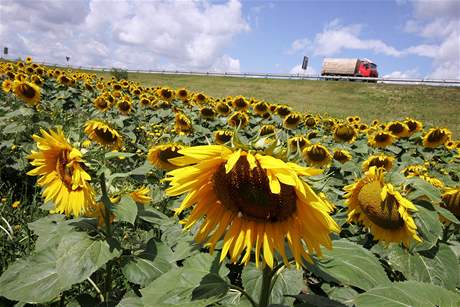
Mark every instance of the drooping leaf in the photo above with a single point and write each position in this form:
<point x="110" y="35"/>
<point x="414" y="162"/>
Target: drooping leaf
<point x="408" y="293"/>
<point x="428" y="227"/>
<point x="350" y="264"/>
<point x="142" y="271"/>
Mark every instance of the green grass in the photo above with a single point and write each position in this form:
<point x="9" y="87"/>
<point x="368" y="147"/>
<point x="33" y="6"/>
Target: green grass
<point x="439" y="106"/>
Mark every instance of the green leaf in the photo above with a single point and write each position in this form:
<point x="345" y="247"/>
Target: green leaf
<point x="409" y="293"/>
<point x="423" y="188"/>
<point x="118" y="154"/>
<point x="438" y="266"/>
<point x="142" y="271"/>
<point x="447" y="214"/>
<point x="126" y="209"/>
<point x="287" y="282"/>
<point x="130" y="300"/>
<point x="341" y="294"/>
<point x="350" y="264"/>
<point x="211" y="285"/>
<point x="313" y="300"/>
<point x="181" y="286"/>
<point x="429" y="228"/>
<point x="14" y="128"/>
<point x="50" y="230"/>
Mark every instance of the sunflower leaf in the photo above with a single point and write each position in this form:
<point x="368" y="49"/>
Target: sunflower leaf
<point x="350" y="264"/>
<point x="409" y="293"/>
<point x="428" y="226"/>
<point x="437" y="266"/>
<point x="126" y="209"/>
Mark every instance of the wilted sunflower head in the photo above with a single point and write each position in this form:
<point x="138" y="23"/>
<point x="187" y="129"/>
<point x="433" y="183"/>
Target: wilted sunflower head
<point x="344" y="133"/>
<point x="207" y="112"/>
<point x="414" y="170"/>
<point x="297" y="142"/>
<point x="283" y="110"/>
<point x="102" y="104"/>
<point x="451" y="200"/>
<point x="413" y="125"/>
<point x="291" y="121"/>
<point x="239" y="103"/>
<point x="222" y="136"/>
<point x="379" y="161"/>
<point x="381" y="208"/>
<point x="257" y="204"/>
<point x="101" y="133"/>
<point x="436" y="137"/>
<point x="398" y="129"/>
<point x="238" y="119"/>
<point x="141" y="195"/>
<point x="380" y="139"/>
<point x="342" y="155"/>
<point x="317" y="155"/>
<point x="62" y="175"/>
<point x="260" y="107"/>
<point x="310" y="121"/>
<point x="7" y="85"/>
<point x="222" y="108"/>
<point x="125" y="106"/>
<point x="159" y="156"/>
<point x="28" y="92"/>
<point x="266" y="130"/>
<point x="182" y="123"/>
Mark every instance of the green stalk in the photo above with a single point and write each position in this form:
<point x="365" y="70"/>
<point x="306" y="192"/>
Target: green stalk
<point x="266" y="287"/>
<point x="108" y="233"/>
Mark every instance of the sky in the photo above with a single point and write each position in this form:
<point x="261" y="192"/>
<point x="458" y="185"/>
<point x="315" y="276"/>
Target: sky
<point x="405" y="38"/>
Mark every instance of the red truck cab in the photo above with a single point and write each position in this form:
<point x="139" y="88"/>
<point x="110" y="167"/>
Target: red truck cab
<point x="367" y="69"/>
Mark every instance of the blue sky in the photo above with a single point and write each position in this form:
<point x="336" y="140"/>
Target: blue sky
<point x="406" y="38"/>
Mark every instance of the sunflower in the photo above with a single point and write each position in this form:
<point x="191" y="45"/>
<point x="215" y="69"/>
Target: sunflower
<point x="317" y="155"/>
<point x="238" y="119"/>
<point x="144" y="101"/>
<point x="344" y="133"/>
<point x="27" y="91"/>
<point x="222" y="108"/>
<point x="207" y="113"/>
<point x="103" y="134"/>
<point x="182" y="124"/>
<point x="116" y="86"/>
<point x="342" y="155"/>
<point x="239" y="103"/>
<point x="7" y="85"/>
<point x="312" y="135"/>
<point x="310" y="121"/>
<point x="159" y="156"/>
<point x="297" y="142"/>
<point x="451" y="200"/>
<point x="97" y="210"/>
<point x="413" y="125"/>
<point x="125" y="106"/>
<point x="63" y="79"/>
<point x="200" y="98"/>
<point x="380" y="139"/>
<point x="222" y="136"/>
<point x="165" y="94"/>
<point x="291" y="121"/>
<point x="381" y="208"/>
<point x="436" y="137"/>
<point x="254" y="202"/>
<point x="398" y="129"/>
<point x="141" y="195"/>
<point x="266" y="130"/>
<point x="260" y="108"/>
<point x="28" y="60"/>
<point x="414" y="170"/>
<point x="379" y="161"/>
<point x="350" y="119"/>
<point x="62" y="175"/>
<point x="451" y="145"/>
<point x="283" y="110"/>
<point x="182" y="94"/>
<point x="102" y="104"/>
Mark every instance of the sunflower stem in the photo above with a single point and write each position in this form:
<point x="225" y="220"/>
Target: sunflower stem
<point x="108" y="233"/>
<point x="266" y="287"/>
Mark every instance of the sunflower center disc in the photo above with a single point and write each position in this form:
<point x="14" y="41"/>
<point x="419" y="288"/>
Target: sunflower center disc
<point x="168" y="153"/>
<point x="248" y="191"/>
<point x="28" y="91"/>
<point x="380" y="138"/>
<point x="345" y="133"/>
<point x="317" y="154"/>
<point x="383" y="213"/>
<point x="435" y="136"/>
<point x="106" y="135"/>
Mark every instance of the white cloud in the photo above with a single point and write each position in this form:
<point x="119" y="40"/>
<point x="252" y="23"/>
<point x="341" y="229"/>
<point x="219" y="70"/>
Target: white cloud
<point x="298" y="45"/>
<point x="298" y="70"/>
<point x="336" y="37"/>
<point x="407" y="74"/>
<point x="136" y="34"/>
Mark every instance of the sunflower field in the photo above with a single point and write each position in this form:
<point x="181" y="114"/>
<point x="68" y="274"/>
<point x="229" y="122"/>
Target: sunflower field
<point x="117" y="194"/>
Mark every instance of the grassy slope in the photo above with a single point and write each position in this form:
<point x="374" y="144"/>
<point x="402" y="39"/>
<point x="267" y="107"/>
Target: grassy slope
<point x="433" y="105"/>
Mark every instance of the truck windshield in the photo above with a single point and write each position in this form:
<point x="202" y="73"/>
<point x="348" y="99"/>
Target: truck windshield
<point x="373" y="66"/>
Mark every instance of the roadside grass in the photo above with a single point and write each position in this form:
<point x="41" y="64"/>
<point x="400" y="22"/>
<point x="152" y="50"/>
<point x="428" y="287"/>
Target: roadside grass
<point x="438" y="106"/>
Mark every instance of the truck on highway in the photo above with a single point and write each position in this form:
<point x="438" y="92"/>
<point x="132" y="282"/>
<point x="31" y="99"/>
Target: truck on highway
<point x="349" y="67"/>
